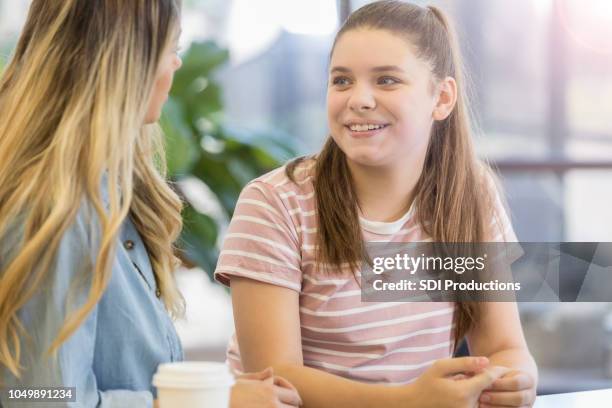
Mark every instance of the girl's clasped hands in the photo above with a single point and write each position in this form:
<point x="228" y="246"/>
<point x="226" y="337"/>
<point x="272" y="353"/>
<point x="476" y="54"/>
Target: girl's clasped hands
<point x="468" y="382"/>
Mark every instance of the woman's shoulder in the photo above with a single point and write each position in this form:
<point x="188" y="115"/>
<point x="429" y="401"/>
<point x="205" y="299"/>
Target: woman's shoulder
<point x="84" y="231"/>
<point x="77" y="239"/>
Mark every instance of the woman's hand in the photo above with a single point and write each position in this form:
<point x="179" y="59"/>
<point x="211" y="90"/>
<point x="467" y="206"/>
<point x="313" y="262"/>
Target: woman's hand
<point x="264" y="390"/>
<point x="514" y="389"/>
<point x="455" y="382"/>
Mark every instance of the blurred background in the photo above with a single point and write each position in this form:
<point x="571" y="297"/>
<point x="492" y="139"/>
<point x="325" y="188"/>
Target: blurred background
<point x="251" y="95"/>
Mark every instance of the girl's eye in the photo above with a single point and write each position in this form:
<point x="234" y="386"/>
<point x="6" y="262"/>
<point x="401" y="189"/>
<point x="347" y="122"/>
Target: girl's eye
<point x="341" y="81"/>
<point x="388" y="81"/>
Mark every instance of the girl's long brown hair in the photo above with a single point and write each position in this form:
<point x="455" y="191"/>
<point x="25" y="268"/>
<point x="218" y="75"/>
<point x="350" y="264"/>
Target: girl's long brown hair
<point x="452" y="201"/>
<point x="73" y="101"/>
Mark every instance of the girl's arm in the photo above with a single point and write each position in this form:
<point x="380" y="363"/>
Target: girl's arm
<point x="499" y="336"/>
<point x="268" y="331"/>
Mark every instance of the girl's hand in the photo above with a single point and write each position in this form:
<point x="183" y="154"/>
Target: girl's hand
<point x="514" y="389"/>
<point x="455" y="382"/>
<point x="263" y="390"/>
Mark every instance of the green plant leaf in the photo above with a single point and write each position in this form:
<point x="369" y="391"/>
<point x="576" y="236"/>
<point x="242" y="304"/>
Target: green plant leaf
<point x="181" y="149"/>
<point x="198" y="62"/>
<point x="201" y="144"/>
<point x="198" y="239"/>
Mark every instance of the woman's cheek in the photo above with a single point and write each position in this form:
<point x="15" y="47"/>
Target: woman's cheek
<point x="167" y="80"/>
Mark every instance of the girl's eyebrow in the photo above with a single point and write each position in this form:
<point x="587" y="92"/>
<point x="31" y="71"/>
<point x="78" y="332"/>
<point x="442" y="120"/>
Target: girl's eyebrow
<point x="382" y="68"/>
<point x="386" y="68"/>
<point x="340" y="69"/>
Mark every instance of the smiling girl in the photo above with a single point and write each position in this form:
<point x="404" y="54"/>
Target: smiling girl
<point x="398" y="166"/>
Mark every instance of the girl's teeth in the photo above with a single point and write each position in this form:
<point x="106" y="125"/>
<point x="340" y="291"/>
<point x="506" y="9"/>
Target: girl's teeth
<point x="364" y="128"/>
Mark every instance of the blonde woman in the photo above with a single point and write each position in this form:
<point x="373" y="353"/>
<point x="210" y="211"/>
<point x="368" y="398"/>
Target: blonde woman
<point x="87" y="221"/>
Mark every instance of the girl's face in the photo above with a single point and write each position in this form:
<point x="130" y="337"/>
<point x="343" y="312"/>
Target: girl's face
<point x="170" y="62"/>
<point x="380" y="98"/>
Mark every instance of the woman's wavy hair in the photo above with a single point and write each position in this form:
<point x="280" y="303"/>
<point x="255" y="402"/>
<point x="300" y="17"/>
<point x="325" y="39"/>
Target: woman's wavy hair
<point x="73" y="101"/>
<point x="452" y="201"/>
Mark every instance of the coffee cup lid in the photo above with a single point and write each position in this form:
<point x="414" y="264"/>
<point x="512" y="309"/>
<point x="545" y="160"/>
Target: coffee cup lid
<point x="193" y="374"/>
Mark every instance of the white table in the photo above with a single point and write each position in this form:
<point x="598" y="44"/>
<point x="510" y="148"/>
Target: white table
<point x="586" y="399"/>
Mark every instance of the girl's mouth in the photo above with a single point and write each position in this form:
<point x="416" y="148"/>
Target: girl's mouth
<point x="365" y="130"/>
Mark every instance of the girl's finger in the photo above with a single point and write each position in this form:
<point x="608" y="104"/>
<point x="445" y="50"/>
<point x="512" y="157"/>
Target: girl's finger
<point x="282" y="382"/>
<point x="511" y="399"/>
<point x="518" y="382"/>
<point x="288" y="396"/>
<point x="481" y="381"/>
<point x="450" y="366"/>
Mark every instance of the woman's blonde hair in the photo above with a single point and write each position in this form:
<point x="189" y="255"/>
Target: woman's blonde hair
<point x="73" y="101"/>
<point x="453" y="202"/>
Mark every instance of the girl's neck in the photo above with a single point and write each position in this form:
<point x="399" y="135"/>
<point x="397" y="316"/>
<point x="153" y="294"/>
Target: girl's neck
<point x="385" y="193"/>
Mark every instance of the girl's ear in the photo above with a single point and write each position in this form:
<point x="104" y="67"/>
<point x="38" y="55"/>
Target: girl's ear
<point x="446" y="98"/>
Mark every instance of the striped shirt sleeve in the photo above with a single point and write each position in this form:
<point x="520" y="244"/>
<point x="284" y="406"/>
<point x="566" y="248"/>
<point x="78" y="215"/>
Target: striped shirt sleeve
<point x="261" y="242"/>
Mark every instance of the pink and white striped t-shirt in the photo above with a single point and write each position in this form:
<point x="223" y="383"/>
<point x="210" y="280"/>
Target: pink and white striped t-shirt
<point x="271" y="239"/>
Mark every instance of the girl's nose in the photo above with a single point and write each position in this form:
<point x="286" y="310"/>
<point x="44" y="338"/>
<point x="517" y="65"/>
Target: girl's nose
<point x="361" y="99"/>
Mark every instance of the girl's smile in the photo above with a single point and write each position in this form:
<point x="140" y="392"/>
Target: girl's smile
<point x="364" y="129"/>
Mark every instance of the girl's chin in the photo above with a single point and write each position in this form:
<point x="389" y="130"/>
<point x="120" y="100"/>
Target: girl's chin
<point x="364" y="153"/>
<point x="369" y="160"/>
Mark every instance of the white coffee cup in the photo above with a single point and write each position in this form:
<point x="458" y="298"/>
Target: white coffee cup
<point x="193" y="384"/>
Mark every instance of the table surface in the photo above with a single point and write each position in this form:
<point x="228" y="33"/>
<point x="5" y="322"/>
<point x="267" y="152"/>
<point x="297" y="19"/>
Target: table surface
<point x="589" y="399"/>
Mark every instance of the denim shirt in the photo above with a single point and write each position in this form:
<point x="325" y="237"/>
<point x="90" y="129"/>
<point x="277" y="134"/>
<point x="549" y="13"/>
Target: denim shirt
<point x="112" y="356"/>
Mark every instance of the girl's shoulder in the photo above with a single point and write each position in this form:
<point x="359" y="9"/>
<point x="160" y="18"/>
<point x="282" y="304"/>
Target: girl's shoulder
<point x="294" y="179"/>
<point x="284" y="196"/>
<point x="490" y="186"/>
<point x="500" y="222"/>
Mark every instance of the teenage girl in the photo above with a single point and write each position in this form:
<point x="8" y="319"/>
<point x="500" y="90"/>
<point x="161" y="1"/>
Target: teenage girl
<point x="398" y="166"/>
